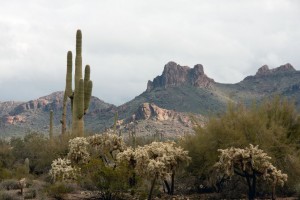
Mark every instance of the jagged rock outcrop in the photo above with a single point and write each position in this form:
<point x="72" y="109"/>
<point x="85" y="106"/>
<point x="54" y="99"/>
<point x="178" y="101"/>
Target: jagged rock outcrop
<point x="176" y="75"/>
<point x="149" y="120"/>
<point x="264" y="70"/>
<point x="150" y="110"/>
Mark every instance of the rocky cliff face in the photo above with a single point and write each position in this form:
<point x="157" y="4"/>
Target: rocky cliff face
<point x="150" y="120"/>
<point x="176" y="75"/>
<point x="151" y="111"/>
<point x="264" y="70"/>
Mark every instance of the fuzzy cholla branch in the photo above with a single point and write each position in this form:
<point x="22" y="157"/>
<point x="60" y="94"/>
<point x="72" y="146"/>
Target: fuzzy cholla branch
<point x="78" y="153"/>
<point x="61" y="170"/>
<point x="275" y="176"/>
<point x="107" y="142"/>
<point x="249" y="161"/>
<point x="156" y="159"/>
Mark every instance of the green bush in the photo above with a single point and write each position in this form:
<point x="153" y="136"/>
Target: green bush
<point x="110" y="181"/>
<point x="5" y="174"/>
<point x="273" y="125"/>
<point x="59" y="189"/>
<point x="39" y="150"/>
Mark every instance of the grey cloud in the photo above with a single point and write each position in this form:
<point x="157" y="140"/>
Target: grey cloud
<point x="128" y="42"/>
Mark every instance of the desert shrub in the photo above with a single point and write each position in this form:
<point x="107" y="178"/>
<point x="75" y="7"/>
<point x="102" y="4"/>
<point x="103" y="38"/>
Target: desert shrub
<point x="39" y="150"/>
<point x="10" y="184"/>
<point x="30" y="194"/>
<point x="5" y="173"/>
<point x="20" y="171"/>
<point x="59" y="189"/>
<point x="96" y="175"/>
<point x="9" y="196"/>
<point x="6" y="156"/>
<point x="273" y="125"/>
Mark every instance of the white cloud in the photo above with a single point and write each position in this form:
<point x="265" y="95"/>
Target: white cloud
<point x="128" y="42"/>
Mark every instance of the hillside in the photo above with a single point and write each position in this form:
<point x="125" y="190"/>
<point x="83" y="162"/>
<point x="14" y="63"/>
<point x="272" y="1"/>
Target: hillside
<point x="23" y="117"/>
<point x="187" y="89"/>
<point x="179" y="89"/>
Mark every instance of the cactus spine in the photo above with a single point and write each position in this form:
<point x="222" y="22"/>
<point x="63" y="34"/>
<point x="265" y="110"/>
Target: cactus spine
<point x="80" y="97"/>
<point x="51" y="125"/>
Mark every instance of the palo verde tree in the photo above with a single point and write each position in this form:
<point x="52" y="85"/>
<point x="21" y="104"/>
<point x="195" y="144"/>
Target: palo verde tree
<point x="250" y="163"/>
<point x="80" y="97"/>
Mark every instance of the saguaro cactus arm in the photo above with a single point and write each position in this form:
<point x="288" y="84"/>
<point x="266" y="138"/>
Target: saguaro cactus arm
<point x="69" y="90"/>
<point x="87" y="95"/>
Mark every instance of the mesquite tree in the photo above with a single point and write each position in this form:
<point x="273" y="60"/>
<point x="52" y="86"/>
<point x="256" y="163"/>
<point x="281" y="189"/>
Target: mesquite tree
<point x="249" y="163"/>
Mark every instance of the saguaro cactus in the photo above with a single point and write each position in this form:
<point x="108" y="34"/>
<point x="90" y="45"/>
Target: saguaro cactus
<point x="80" y="97"/>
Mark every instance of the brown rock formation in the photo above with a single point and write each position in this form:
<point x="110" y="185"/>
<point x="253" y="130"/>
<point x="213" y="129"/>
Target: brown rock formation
<point x="264" y="70"/>
<point x="176" y="75"/>
<point x="147" y="111"/>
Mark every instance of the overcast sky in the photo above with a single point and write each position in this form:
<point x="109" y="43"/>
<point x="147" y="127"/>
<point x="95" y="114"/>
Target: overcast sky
<point x="128" y="42"/>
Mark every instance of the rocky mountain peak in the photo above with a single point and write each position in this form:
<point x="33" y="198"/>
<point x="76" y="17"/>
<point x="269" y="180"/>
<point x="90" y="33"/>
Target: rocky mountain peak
<point x="264" y="70"/>
<point x="177" y="75"/>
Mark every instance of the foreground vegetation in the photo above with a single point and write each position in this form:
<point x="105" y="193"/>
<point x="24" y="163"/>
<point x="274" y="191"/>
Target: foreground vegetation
<point x="217" y="160"/>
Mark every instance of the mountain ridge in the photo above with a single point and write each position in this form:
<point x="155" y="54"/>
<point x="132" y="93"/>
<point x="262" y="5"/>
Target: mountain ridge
<point x="178" y="89"/>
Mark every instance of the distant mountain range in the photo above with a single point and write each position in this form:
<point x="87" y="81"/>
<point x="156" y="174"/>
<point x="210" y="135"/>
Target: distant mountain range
<point x="165" y="107"/>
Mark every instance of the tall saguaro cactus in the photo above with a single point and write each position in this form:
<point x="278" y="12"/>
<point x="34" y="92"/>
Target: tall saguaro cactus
<point x="80" y="97"/>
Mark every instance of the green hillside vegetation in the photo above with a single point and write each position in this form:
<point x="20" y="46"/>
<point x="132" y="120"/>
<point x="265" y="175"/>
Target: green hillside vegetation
<point x="274" y="126"/>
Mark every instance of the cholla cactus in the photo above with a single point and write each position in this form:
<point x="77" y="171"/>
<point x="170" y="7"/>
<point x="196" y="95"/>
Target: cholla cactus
<point x="78" y="153"/>
<point x="250" y="163"/>
<point x="61" y="170"/>
<point x="158" y="160"/>
<point x="107" y="143"/>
